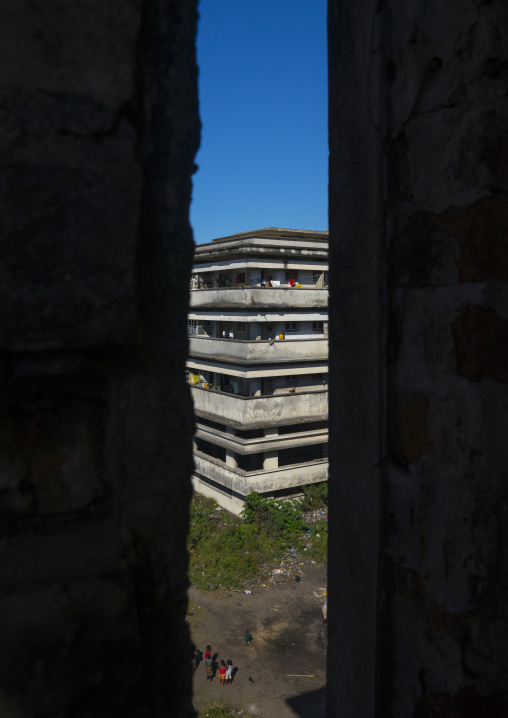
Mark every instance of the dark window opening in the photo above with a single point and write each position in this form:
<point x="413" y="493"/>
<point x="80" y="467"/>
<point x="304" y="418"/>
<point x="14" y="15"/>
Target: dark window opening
<point x="249" y="433"/>
<point x="206" y="447"/>
<point x="301" y="454"/>
<point x="250" y="462"/>
<point x="306" y="426"/>
<point x="211" y="424"/>
<point x="291" y="380"/>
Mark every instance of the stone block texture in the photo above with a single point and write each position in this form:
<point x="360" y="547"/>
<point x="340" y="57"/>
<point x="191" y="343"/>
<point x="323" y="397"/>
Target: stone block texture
<point x="419" y="358"/>
<point x="99" y="126"/>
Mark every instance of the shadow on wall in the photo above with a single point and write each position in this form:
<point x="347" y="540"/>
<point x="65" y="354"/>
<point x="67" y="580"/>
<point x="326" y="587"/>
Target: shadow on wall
<point x="309" y="705"/>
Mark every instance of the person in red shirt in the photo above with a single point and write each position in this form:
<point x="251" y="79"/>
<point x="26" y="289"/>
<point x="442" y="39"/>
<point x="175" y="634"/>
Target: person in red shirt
<point x="209" y="663"/>
<point x="222" y="672"/>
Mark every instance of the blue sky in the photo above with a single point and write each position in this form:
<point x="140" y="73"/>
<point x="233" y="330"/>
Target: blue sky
<point x="263" y="160"/>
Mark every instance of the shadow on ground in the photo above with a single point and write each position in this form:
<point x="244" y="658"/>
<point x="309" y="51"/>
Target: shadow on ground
<point x="309" y="705"/>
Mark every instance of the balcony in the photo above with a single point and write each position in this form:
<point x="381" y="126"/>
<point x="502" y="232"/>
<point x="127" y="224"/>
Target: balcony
<point x="258" y="352"/>
<point x="244" y="482"/>
<point x="256" y="411"/>
<point x="258" y="297"/>
<point x="270" y="442"/>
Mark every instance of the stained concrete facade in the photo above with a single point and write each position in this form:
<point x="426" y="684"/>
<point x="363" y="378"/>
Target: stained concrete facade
<point x="258" y="327"/>
<point x="99" y="126"/>
<point x="418" y="554"/>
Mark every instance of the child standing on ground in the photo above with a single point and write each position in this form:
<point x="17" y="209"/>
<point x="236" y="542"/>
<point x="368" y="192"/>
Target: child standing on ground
<point x="248" y="638"/>
<point x="325" y="613"/>
<point x="222" y="673"/>
<point x="229" y="664"/>
<point x="209" y="663"/>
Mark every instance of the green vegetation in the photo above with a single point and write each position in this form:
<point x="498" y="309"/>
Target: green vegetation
<point x="278" y="518"/>
<point x="318" y="546"/>
<point x="220" y="710"/>
<point x="315" y="496"/>
<point x="226" y="551"/>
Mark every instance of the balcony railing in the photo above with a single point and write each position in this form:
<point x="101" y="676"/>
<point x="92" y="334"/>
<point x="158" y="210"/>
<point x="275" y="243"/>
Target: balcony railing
<point x="252" y="411"/>
<point x="244" y="482"/>
<point x="258" y="351"/>
<point x="258" y="297"/>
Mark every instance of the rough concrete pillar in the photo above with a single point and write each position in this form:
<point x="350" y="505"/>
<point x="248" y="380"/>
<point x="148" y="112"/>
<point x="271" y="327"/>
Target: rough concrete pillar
<point x="231" y="459"/>
<point x="270" y="460"/>
<point x="356" y="360"/>
<point x="100" y="130"/>
<point x="418" y="222"/>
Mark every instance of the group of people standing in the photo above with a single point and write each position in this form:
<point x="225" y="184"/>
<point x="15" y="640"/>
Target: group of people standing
<point x="224" y="668"/>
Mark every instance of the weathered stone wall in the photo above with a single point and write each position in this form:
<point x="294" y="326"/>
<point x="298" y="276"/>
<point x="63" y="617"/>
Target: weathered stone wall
<point x="100" y="127"/>
<point x="419" y="307"/>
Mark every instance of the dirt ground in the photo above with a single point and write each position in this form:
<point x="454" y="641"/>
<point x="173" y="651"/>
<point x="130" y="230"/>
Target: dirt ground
<point x="282" y="673"/>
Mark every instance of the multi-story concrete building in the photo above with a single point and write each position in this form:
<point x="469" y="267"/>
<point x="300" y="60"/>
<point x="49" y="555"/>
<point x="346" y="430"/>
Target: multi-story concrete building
<point x="258" y="365"/>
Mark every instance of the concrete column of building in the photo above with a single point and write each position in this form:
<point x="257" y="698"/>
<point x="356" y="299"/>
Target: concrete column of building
<point x="270" y="460"/>
<point x="231" y="459"/>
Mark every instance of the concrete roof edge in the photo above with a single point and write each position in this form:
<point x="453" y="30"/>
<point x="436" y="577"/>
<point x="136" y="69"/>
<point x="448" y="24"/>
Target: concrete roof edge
<point x="273" y="233"/>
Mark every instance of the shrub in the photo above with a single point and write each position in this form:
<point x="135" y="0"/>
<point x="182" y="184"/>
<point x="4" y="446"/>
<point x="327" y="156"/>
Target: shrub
<point x="282" y="519"/>
<point x="203" y="521"/>
<point x="315" y="496"/>
<point x="226" y="551"/>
